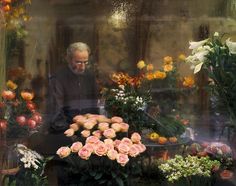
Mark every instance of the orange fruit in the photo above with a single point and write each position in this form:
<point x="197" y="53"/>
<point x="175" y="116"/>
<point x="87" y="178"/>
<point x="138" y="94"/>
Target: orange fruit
<point x="162" y="140"/>
<point x="173" y="139"/>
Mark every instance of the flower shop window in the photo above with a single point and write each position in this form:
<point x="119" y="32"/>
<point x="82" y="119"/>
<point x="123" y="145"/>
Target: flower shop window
<point x="167" y="68"/>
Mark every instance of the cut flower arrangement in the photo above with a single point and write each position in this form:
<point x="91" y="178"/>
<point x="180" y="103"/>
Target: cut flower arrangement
<point x="30" y="169"/>
<point x="190" y="170"/>
<point x="218" y="59"/>
<point x="129" y="96"/>
<point x="102" y="151"/>
<point x="18" y="115"/>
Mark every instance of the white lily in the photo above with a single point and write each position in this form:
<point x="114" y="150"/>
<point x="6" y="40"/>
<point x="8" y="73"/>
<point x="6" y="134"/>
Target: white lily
<point x="216" y="34"/>
<point x="198" y="59"/>
<point x="231" y="45"/>
<point x="194" y="45"/>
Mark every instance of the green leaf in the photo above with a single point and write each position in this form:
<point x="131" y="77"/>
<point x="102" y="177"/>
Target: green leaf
<point x="98" y="176"/>
<point x="92" y="173"/>
<point x="119" y="181"/>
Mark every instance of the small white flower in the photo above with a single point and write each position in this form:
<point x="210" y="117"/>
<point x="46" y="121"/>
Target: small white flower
<point x="231" y="45"/>
<point x="216" y="34"/>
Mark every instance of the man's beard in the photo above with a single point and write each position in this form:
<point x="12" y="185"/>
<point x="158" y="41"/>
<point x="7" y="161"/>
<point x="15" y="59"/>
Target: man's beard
<point x="75" y="70"/>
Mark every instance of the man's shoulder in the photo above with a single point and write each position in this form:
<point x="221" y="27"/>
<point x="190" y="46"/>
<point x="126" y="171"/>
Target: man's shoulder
<point x="62" y="73"/>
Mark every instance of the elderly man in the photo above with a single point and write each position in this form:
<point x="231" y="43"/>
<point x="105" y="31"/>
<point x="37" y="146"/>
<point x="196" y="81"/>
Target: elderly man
<point x="73" y="89"/>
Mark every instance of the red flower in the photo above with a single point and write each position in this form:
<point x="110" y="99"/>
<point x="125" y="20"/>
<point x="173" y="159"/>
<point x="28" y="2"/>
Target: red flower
<point x="21" y="120"/>
<point x="3" y="124"/>
<point x="31" y="123"/>
<point x="31" y="106"/>
<point x="226" y="174"/>
<point x="8" y="95"/>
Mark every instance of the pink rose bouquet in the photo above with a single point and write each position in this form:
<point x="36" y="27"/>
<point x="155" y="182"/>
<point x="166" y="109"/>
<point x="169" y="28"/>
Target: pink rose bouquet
<point x="103" y="146"/>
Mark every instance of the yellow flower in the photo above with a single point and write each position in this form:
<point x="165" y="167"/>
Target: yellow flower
<point x="141" y="64"/>
<point x="27" y="96"/>
<point x="188" y="81"/>
<point x="11" y="85"/>
<point x="168" y="60"/>
<point x="168" y="68"/>
<point x="150" y="76"/>
<point x="150" y="67"/>
<point x="159" y="75"/>
<point x="153" y="136"/>
<point x="182" y="57"/>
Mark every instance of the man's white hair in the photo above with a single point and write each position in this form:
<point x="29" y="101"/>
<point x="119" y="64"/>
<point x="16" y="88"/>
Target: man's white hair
<point x="78" y="46"/>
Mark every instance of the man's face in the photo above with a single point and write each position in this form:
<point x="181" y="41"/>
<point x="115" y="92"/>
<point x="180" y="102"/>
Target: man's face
<point x="79" y="61"/>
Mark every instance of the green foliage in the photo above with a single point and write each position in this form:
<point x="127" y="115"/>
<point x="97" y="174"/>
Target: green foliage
<point x="190" y="170"/>
<point x="218" y="58"/>
<point x="167" y="126"/>
<point x="100" y="171"/>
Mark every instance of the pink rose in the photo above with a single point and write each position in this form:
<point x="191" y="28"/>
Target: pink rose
<point x="127" y="141"/>
<point x="103" y="126"/>
<point x="108" y="141"/>
<point x="135" y="137"/>
<point x="124" y="127"/>
<point x="112" y="154"/>
<point x="109" y="133"/>
<point x="75" y="147"/>
<point x="116" y="119"/>
<point x="74" y="126"/>
<point x="97" y="133"/>
<point x="103" y="119"/>
<point x="142" y="147"/>
<point x="123" y="148"/>
<point x="100" y="149"/>
<point x="133" y="151"/>
<point x="84" y="153"/>
<point x="79" y="119"/>
<point x="90" y="115"/>
<point x="116" y="127"/>
<point x="109" y="146"/>
<point x="69" y="132"/>
<point x="90" y="147"/>
<point x="63" y="152"/>
<point x="90" y="123"/>
<point x="122" y="159"/>
<point x="117" y="143"/>
<point x="85" y="133"/>
<point x="92" y="140"/>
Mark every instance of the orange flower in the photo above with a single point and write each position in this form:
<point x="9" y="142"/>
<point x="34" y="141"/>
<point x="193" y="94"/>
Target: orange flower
<point x="27" y="96"/>
<point x="150" y="67"/>
<point x="188" y="81"/>
<point x="6" y="8"/>
<point x="120" y="78"/>
<point x="168" y="60"/>
<point x="8" y="95"/>
<point x="11" y="85"/>
<point x="226" y="174"/>
<point x="159" y="75"/>
<point x="150" y="76"/>
<point x="7" y="1"/>
<point x="135" y="81"/>
<point x="168" y="68"/>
